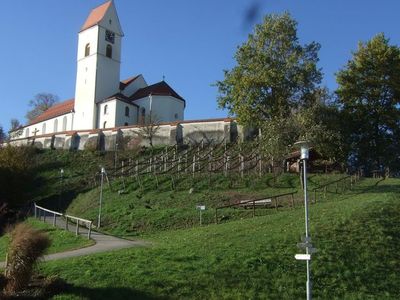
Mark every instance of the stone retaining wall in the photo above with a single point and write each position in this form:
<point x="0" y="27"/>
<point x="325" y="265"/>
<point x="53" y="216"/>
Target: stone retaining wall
<point x="186" y="132"/>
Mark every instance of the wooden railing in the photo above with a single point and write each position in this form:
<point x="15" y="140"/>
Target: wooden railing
<point x="340" y="185"/>
<point x="41" y="212"/>
<point x="261" y="202"/>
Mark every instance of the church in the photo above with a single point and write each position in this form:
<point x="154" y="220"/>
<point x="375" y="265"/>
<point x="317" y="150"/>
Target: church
<point x="102" y="100"/>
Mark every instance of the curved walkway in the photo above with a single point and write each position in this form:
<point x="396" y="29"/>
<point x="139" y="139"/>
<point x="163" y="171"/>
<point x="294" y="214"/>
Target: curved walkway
<point x="103" y="243"/>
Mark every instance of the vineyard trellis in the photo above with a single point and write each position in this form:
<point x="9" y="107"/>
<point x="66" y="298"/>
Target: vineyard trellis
<point x="205" y="158"/>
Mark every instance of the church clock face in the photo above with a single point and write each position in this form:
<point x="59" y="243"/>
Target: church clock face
<point x="110" y="36"/>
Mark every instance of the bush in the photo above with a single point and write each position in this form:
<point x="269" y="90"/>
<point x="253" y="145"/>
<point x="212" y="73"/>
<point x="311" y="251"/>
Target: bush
<point x="16" y="168"/>
<point x="27" y="245"/>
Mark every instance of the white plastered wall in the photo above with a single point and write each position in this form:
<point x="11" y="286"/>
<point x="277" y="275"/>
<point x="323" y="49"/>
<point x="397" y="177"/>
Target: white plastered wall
<point x="107" y="115"/>
<point x="163" y="108"/>
<point x="139" y="83"/>
<point x="50" y="126"/>
<point x="121" y="118"/>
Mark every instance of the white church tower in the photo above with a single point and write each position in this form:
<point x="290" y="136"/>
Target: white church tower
<point x="98" y="64"/>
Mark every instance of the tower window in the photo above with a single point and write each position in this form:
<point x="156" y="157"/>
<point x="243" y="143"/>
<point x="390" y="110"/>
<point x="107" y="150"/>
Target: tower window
<point x="87" y="49"/>
<point x="126" y="111"/>
<point x="105" y="109"/>
<point x="104" y="124"/>
<point x="109" y="51"/>
<point x="176" y="116"/>
<point x="126" y="124"/>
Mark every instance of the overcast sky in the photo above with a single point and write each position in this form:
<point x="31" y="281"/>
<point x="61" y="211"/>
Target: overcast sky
<point x="190" y="42"/>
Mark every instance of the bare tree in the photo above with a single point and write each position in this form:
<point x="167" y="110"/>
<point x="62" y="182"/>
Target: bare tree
<point x="3" y="135"/>
<point x="40" y="103"/>
<point x="149" y="128"/>
<point x="15" y="124"/>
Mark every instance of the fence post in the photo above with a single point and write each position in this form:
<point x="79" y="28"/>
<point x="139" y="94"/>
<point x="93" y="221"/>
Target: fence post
<point x="241" y="158"/>
<point x="66" y="223"/>
<point x="54" y="220"/>
<point x="34" y="209"/>
<point x="194" y="165"/>
<point x="77" y="227"/>
<point x="254" y="208"/>
<point x="276" y="203"/>
<point x="44" y="216"/>
<point x="90" y="230"/>
<point x="292" y="200"/>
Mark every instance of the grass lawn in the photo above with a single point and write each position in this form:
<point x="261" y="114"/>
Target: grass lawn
<point x="61" y="240"/>
<point x="357" y="235"/>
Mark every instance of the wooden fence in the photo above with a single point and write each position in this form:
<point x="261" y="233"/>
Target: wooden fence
<point x="340" y="185"/>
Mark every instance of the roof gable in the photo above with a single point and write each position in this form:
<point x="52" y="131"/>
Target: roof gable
<point x="158" y="89"/>
<point x="124" y="83"/>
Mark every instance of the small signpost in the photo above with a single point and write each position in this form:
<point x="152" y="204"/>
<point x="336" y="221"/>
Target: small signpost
<point x="303" y="256"/>
<point x="200" y="208"/>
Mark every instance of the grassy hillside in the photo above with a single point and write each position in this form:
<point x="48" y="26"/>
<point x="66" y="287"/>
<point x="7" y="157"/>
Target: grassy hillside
<point x="357" y="235"/>
<point x="131" y="207"/>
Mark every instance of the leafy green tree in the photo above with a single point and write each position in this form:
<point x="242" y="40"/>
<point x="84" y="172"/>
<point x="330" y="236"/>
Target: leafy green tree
<point x="274" y="73"/>
<point x="369" y="93"/>
<point x="275" y="87"/>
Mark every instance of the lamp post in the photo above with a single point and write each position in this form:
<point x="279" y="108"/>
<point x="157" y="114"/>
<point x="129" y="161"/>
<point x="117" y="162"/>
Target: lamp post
<point x="304" y="155"/>
<point x="101" y="196"/>
<point x="61" y="188"/>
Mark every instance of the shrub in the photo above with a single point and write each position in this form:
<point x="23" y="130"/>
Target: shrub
<point x="16" y="180"/>
<point x="27" y="245"/>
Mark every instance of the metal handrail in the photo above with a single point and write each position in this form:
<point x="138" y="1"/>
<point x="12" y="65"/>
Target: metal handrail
<point x="55" y="213"/>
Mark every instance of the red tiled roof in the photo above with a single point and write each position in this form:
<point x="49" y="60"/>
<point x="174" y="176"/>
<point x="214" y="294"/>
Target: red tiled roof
<point x="159" y="89"/>
<point x="55" y="111"/>
<point x="96" y="15"/>
<point x="124" y="83"/>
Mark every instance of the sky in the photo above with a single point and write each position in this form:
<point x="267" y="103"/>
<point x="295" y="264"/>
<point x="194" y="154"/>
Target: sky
<point x="189" y="42"/>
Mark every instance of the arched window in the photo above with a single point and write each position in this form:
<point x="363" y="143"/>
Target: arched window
<point x="105" y="109"/>
<point x="64" y="128"/>
<point x="87" y="49"/>
<point x="104" y="124"/>
<point x="126" y="124"/>
<point x="44" y="128"/>
<point x="55" y="125"/>
<point x="109" y="51"/>
<point x="27" y="132"/>
<point x="143" y="115"/>
<point x="126" y="111"/>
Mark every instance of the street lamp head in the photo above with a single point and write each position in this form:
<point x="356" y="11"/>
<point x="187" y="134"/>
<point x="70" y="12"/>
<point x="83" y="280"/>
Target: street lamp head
<point x="62" y="171"/>
<point x="103" y="170"/>
<point x="304" y="147"/>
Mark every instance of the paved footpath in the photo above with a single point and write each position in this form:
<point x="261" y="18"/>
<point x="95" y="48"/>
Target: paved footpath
<point x="103" y="242"/>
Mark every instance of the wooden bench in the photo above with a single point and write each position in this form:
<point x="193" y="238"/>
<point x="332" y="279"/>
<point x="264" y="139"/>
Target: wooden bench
<point x="255" y="203"/>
